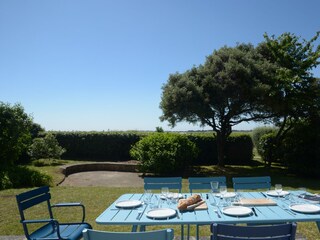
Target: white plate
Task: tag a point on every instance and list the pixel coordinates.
(305, 208)
(161, 213)
(273, 193)
(227, 195)
(174, 195)
(237, 211)
(128, 204)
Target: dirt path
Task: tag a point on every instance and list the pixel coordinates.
(104, 178)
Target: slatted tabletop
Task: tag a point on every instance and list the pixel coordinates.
(278, 213)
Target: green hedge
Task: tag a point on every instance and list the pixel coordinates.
(97, 146)
(115, 146)
(238, 149)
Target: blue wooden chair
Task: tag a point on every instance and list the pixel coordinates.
(49, 228)
(203, 183)
(271, 232)
(251, 183)
(159, 182)
(166, 234)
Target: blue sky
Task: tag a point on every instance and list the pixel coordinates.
(100, 64)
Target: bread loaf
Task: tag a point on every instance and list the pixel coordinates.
(184, 203)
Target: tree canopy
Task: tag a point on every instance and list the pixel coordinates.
(271, 82)
(15, 135)
(223, 92)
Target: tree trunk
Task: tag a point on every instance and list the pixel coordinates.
(221, 142)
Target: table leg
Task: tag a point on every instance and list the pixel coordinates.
(182, 232)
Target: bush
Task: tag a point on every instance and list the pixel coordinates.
(257, 134)
(266, 147)
(15, 135)
(164, 153)
(23, 177)
(47, 147)
(301, 149)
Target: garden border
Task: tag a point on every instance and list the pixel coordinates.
(99, 166)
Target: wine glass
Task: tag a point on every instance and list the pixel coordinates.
(303, 192)
(278, 189)
(165, 192)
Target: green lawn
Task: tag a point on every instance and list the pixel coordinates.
(96, 199)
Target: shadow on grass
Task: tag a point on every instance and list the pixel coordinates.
(278, 174)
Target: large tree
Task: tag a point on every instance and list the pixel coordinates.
(223, 92)
(294, 92)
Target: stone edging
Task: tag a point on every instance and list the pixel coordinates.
(100, 166)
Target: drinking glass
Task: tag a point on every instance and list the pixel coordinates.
(147, 196)
(278, 189)
(214, 187)
(223, 190)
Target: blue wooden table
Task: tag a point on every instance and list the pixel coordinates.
(264, 214)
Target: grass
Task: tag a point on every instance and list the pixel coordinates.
(96, 199)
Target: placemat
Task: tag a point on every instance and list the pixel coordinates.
(257, 202)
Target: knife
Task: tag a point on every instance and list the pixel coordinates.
(263, 194)
(254, 211)
(143, 212)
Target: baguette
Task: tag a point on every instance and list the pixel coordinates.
(184, 203)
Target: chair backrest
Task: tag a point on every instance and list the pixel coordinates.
(243, 183)
(31, 198)
(166, 234)
(159, 182)
(202, 183)
(270, 232)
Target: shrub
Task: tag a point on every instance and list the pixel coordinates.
(258, 132)
(47, 147)
(22, 176)
(164, 153)
(260, 143)
(301, 149)
(266, 147)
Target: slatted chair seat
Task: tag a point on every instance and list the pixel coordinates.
(49, 228)
(271, 232)
(251, 183)
(166, 234)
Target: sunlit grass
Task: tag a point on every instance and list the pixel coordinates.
(96, 199)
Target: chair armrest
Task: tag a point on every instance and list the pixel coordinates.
(74, 204)
(67, 204)
(40, 221)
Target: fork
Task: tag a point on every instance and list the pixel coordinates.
(288, 210)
